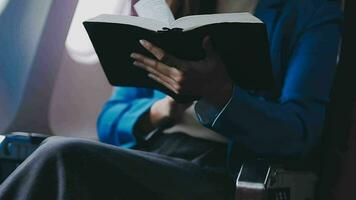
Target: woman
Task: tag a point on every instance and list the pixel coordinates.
(287, 120)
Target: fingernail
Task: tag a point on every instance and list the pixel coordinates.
(133, 55)
(151, 76)
(143, 42)
(137, 64)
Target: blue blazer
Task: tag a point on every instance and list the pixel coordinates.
(304, 39)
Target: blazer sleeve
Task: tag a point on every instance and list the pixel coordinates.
(119, 115)
(293, 123)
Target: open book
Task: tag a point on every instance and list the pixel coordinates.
(184, 24)
(239, 38)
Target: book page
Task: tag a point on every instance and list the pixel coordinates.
(194, 21)
(155, 9)
(145, 23)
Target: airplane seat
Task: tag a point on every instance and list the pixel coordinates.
(337, 178)
(343, 186)
(328, 174)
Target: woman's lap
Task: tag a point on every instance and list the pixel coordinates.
(67, 168)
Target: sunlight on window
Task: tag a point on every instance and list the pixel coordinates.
(78, 43)
(3, 4)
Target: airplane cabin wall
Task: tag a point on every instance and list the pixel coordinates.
(81, 87)
(21, 26)
(44, 87)
(32, 115)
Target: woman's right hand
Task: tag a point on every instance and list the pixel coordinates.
(167, 110)
(162, 113)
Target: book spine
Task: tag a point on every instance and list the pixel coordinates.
(171, 30)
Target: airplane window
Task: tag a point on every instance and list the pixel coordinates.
(78, 43)
(3, 4)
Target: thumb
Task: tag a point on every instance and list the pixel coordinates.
(208, 46)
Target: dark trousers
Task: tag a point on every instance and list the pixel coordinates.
(170, 167)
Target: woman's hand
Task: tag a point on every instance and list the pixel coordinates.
(174, 5)
(165, 112)
(206, 78)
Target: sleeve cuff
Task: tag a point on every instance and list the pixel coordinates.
(208, 114)
(127, 138)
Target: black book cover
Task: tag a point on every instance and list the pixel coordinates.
(243, 48)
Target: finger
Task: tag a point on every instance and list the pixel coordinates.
(172, 61)
(160, 54)
(156, 51)
(208, 46)
(162, 82)
(143, 59)
(157, 73)
(156, 65)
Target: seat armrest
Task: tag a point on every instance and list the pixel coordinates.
(252, 180)
(258, 180)
(15, 148)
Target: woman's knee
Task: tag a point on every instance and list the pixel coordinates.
(57, 145)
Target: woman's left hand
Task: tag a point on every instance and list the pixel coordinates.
(206, 78)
